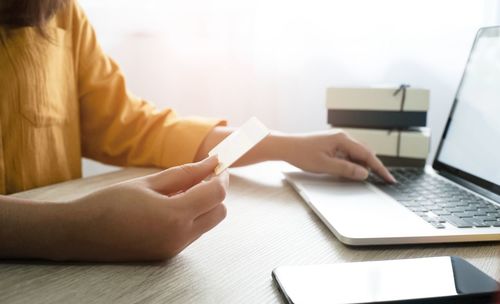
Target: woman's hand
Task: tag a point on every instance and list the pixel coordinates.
(330, 152)
(335, 153)
(150, 218)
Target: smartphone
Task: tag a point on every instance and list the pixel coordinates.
(422, 280)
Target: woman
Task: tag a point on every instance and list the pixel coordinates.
(62, 98)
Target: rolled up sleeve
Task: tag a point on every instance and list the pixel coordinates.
(120, 129)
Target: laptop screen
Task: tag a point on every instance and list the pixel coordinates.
(470, 146)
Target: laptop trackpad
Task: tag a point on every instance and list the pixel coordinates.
(356, 209)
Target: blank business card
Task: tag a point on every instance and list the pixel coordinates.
(238, 143)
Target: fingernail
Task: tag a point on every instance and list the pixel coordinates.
(360, 173)
(392, 178)
(212, 159)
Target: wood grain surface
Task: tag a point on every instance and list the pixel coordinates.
(267, 225)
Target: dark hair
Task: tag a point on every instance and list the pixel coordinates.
(35, 13)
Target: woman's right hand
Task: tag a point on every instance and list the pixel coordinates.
(150, 218)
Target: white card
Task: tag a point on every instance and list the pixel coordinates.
(238, 143)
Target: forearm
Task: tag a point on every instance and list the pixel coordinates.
(31, 229)
(276, 146)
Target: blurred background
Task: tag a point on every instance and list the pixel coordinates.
(274, 59)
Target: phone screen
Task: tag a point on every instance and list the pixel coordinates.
(384, 281)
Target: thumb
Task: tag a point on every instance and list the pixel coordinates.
(347, 169)
(183, 177)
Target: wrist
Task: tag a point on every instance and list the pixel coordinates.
(76, 221)
(53, 231)
(63, 228)
(280, 146)
(33, 229)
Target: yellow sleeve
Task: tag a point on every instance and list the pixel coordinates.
(118, 128)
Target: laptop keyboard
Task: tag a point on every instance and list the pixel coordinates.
(439, 202)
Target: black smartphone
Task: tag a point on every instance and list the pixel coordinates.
(422, 280)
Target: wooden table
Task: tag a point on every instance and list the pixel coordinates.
(267, 225)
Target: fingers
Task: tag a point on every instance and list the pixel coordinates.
(183, 177)
(347, 169)
(210, 219)
(359, 153)
(205, 196)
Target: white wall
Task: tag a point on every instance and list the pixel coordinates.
(275, 58)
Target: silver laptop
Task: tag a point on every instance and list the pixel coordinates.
(455, 200)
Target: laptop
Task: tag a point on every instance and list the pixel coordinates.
(455, 200)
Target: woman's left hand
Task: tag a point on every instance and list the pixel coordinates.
(332, 152)
(335, 153)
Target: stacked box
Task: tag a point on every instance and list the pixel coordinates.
(389, 120)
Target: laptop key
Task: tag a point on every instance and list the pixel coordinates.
(437, 225)
(426, 203)
(476, 222)
(418, 209)
(466, 214)
(485, 218)
(457, 222)
(435, 218)
(440, 212)
(456, 209)
(487, 210)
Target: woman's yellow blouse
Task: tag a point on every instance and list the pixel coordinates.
(62, 98)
